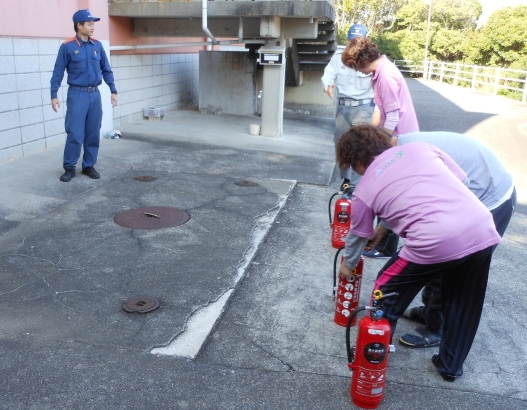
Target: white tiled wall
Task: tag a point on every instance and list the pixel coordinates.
(27, 121)
(169, 80)
(29, 124)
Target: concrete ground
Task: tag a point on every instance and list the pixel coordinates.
(245, 316)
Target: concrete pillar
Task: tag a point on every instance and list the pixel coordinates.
(273, 78)
(273, 100)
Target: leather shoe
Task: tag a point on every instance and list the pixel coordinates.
(446, 377)
(90, 171)
(70, 173)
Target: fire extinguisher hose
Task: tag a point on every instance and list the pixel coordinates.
(335, 271)
(329, 206)
(348, 328)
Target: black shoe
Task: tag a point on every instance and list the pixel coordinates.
(90, 171)
(446, 377)
(70, 173)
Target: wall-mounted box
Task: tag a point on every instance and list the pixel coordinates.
(272, 55)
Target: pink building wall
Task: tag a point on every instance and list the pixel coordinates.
(121, 35)
(50, 18)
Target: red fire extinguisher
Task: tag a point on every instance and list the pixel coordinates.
(340, 225)
(347, 294)
(368, 359)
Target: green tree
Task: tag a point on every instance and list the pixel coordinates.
(402, 45)
(377, 15)
(452, 23)
(505, 36)
(413, 15)
(448, 45)
(456, 14)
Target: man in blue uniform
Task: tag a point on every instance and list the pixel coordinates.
(84, 59)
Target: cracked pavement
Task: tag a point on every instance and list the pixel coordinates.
(66, 268)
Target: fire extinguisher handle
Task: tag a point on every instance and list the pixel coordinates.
(348, 328)
(329, 206)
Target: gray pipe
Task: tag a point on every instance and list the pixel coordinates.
(204, 22)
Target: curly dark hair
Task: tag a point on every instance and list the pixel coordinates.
(359, 53)
(360, 145)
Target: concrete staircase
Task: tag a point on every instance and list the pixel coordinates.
(311, 55)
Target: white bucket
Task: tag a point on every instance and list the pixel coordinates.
(254, 129)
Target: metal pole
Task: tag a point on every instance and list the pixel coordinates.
(427, 36)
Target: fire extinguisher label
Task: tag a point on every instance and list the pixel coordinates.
(343, 217)
(375, 352)
(370, 383)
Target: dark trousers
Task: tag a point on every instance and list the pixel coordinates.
(388, 244)
(345, 118)
(83, 126)
(431, 296)
(463, 286)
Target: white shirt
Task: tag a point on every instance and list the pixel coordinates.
(350, 83)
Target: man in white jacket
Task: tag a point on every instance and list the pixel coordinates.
(354, 96)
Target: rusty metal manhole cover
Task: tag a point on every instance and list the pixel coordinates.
(140, 304)
(246, 183)
(151, 217)
(145, 178)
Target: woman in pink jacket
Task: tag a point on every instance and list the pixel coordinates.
(392, 96)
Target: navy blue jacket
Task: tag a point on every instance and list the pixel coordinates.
(85, 62)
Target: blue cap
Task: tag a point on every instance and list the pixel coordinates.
(357, 30)
(83, 15)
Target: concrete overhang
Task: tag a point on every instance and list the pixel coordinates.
(321, 10)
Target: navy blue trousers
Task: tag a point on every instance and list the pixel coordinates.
(431, 295)
(83, 127)
(463, 286)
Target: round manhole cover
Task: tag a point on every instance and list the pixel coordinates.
(246, 183)
(145, 178)
(152, 217)
(140, 304)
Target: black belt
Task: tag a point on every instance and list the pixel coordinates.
(88, 89)
(351, 102)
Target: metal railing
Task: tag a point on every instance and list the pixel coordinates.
(495, 80)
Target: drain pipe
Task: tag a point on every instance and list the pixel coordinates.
(204, 22)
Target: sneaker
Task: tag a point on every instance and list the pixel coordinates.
(375, 254)
(70, 173)
(90, 171)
